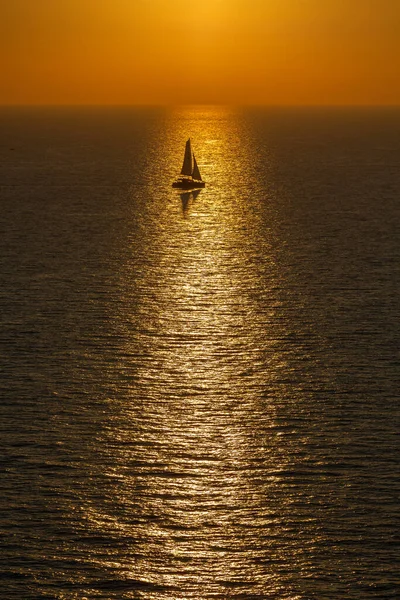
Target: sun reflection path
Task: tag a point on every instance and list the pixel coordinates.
(194, 438)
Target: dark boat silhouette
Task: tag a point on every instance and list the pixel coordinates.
(190, 177)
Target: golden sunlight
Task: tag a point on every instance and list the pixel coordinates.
(214, 51)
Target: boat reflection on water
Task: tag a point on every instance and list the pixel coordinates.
(185, 198)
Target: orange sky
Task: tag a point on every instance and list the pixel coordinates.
(210, 51)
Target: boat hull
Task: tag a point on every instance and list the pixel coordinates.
(188, 183)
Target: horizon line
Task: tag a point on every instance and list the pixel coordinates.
(191, 104)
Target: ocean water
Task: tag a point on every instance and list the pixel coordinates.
(199, 392)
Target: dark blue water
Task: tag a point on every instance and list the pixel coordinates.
(199, 393)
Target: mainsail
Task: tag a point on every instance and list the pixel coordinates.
(187, 161)
(196, 172)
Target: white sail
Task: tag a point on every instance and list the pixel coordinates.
(196, 172)
(187, 161)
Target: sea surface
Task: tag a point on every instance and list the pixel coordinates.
(199, 393)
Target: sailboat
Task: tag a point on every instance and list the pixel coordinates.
(190, 177)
